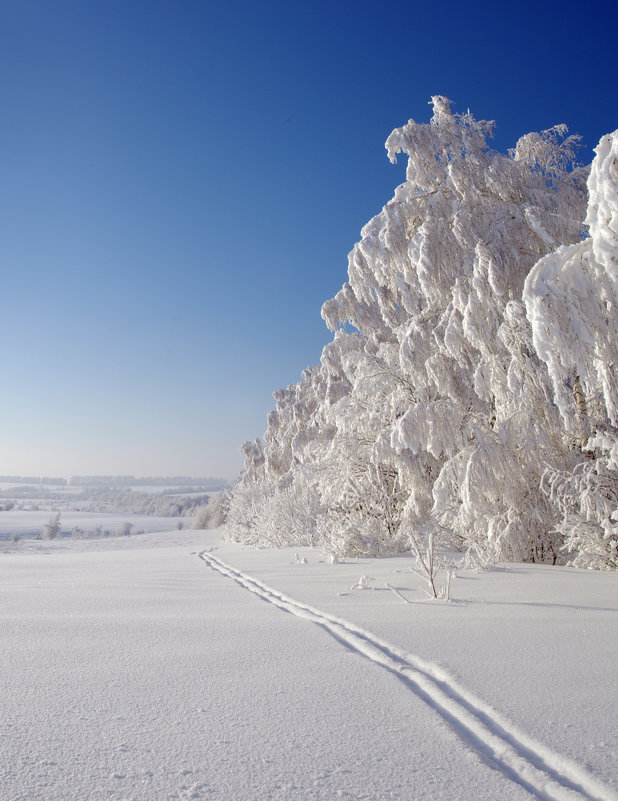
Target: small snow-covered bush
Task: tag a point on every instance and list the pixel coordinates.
(267, 515)
(212, 514)
(52, 528)
(246, 509)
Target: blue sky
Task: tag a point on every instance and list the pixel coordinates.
(182, 182)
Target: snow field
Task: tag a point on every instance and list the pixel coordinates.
(134, 669)
(544, 773)
(538, 643)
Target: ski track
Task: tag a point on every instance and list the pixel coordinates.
(545, 774)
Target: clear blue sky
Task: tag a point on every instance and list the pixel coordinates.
(182, 182)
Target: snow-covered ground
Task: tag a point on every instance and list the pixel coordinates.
(170, 666)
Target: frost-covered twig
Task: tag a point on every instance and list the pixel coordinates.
(396, 591)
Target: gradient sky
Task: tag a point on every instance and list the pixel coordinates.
(182, 182)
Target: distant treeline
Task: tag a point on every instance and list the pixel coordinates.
(208, 484)
(108, 500)
(61, 482)
(211, 484)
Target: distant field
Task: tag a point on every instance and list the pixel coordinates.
(30, 524)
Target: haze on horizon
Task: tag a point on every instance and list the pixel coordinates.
(182, 185)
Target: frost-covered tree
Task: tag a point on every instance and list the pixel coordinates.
(212, 514)
(572, 300)
(432, 411)
(52, 528)
(429, 286)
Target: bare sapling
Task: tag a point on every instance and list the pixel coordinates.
(428, 566)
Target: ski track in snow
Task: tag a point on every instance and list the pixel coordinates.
(545, 774)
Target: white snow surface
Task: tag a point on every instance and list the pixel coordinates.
(171, 666)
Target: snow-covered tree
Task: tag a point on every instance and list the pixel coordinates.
(428, 290)
(572, 300)
(52, 528)
(438, 408)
